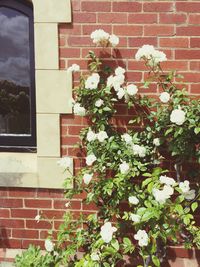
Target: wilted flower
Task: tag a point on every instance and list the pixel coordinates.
(177, 116)
(49, 245)
(73, 68)
(64, 162)
(101, 136)
(131, 89)
(78, 110)
(107, 232)
(91, 136)
(142, 238)
(99, 103)
(133, 200)
(90, 159)
(164, 97)
(87, 177)
(124, 167)
(92, 81)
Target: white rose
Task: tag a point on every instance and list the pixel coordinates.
(99, 35)
(124, 167)
(127, 138)
(120, 93)
(101, 136)
(65, 162)
(158, 56)
(177, 116)
(132, 89)
(156, 142)
(107, 232)
(78, 110)
(74, 68)
(135, 218)
(142, 238)
(91, 136)
(162, 195)
(49, 245)
(87, 177)
(184, 186)
(119, 71)
(95, 256)
(139, 150)
(145, 51)
(92, 81)
(189, 195)
(164, 97)
(99, 103)
(114, 40)
(167, 180)
(133, 200)
(90, 159)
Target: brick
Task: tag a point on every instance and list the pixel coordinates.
(136, 65)
(19, 192)
(195, 65)
(53, 214)
(4, 213)
(6, 223)
(10, 243)
(23, 213)
(38, 203)
(70, 52)
(123, 53)
(3, 192)
(78, 41)
(11, 203)
(127, 7)
(158, 7)
(188, 6)
(23, 233)
(191, 77)
(50, 193)
(134, 76)
(74, 205)
(194, 19)
(128, 30)
(194, 42)
(157, 30)
(187, 54)
(112, 18)
(69, 29)
(76, 5)
(84, 17)
(174, 42)
(74, 130)
(195, 89)
(105, 53)
(83, 63)
(5, 233)
(68, 140)
(88, 29)
(142, 18)
(173, 18)
(96, 6)
(33, 224)
(140, 41)
(62, 64)
(175, 65)
(71, 118)
(62, 41)
(188, 31)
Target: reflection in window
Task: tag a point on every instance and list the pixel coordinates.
(17, 97)
(14, 72)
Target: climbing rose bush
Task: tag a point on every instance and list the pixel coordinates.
(142, 207)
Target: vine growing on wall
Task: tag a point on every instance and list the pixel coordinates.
(141, 207)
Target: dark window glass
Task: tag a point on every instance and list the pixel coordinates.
(17, 97)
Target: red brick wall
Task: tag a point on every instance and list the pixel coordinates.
(171, 26)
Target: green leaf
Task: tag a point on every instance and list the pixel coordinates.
(168, 131)
(146, 182)
(194, 206)
(197, 130)
(115, 244)
(156, 261)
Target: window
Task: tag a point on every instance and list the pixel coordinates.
(17, 88)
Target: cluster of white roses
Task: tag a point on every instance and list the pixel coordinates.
(137, 149)
(100, 37)
(100, 136)
(116, 81)
(151, 54)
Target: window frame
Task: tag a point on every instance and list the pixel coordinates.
(23, 143)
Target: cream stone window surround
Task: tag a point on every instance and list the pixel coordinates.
(53, 91)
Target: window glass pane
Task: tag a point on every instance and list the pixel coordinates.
(14, 73)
